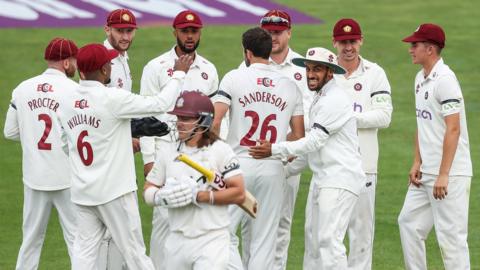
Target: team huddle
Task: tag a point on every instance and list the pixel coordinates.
(223, 158)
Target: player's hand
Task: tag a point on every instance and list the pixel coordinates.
(415, 175)
(136, 145)
(147, 168)
(194, 188)
(263, 149)
(174, 194)
(183, 63)
(440, 187)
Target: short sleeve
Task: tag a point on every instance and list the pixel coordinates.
(226, 160)
(298, 102)
(224, 94)
(449, 95)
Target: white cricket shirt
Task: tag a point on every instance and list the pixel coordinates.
(296, 74)
(261, 103)
(202, 76)
(437, 96)
(370, 92)
(32, 118)
(331, 146)
(121, 77)
(97, 127)
(192, 220)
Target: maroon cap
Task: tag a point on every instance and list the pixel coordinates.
(93, 56)
(60, 49)
(187, 18)
(276, 20)
(346, 29)
(428, 32)
(121, 18)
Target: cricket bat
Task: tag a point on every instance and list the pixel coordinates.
(250, 203)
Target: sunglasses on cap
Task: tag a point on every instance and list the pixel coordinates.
(273, 19)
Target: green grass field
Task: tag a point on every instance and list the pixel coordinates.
(384, 24)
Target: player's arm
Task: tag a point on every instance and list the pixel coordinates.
(220, 111)
(380, 114)
(327, 122)
(450, 143)
(129, 105)
(297, 125)
(149, 84)
(449, 96)
(154, 180)
(221, 102)
(233, 194)
(11, 129)
(415, 175)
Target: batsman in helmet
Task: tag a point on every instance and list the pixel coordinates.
(197, 210)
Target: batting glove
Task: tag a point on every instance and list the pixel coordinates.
(173, 194)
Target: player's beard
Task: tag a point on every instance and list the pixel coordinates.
(321, 83)
(281, 48)
(107, 81)
(116, 44)
(70, 72)
(187, 50)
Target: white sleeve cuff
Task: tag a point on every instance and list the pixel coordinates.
(149, 195)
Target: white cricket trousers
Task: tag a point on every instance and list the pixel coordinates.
(37, 206)
(109, 257)
(361, 228)
(285, 224)
(121, 217)
(206, 252)
(328, 212)
(265, 179)
(159, 236)
(449, 217)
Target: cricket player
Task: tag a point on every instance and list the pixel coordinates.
(263, 104)
(198, 214)
(120, 30)
(442, 169)
(278, 24)
(96, 123)
(202, 77)
(331, 150)
(46, 174)
(367, 85)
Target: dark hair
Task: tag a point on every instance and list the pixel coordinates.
(258, 41)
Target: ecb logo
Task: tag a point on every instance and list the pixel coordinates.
(44, 87)
(81, 104)
(267, 82)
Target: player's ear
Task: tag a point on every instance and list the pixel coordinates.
(66, 63)
(330, 73)
(174, 32)
(107, 30)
